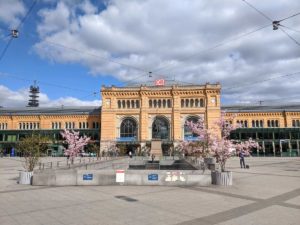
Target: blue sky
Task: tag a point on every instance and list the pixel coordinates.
(72, 47)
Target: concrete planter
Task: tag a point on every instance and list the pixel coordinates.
(221, 178)
(25, 177)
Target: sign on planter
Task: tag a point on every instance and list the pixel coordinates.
(88, 176)
(120, 176)
(153, 176)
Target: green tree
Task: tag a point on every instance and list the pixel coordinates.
(32, 146)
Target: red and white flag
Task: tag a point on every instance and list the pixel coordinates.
(160, 82)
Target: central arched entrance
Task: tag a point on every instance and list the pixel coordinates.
(161, 128)
(128, 136)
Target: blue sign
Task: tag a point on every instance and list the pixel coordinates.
(88, 176)
(153, 176)
(12, 153)
(126, 139)
(191, 138)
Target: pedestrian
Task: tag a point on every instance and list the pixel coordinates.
(152, 157)
(130, 154)
(242, 159)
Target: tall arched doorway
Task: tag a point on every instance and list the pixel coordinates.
(128, 136)
(161, 128)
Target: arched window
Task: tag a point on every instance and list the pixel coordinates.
(119, 104)
(269, 123)
(150, 103)
(298, 123)
(159, 103)
(123, 104)
(257, 123)
(137, 103)
(276, 123)
(253, 123)
(169, 103)
(160, 128)
(188, 134)
(128, 104)
(261, 123)
(187, 102)
(294, 123)
(192, 102)
(201, 103)
(154, 103)
(128, 128)
(272, 123)
(182, 103)
(164, 103)
(132, 104)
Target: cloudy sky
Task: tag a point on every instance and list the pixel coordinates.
(72, 48)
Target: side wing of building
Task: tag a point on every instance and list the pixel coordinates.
(276, 128)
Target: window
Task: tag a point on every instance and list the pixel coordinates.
(128, 128)
(201, 103)
(187, 131)
(169, 103)
(160, 128)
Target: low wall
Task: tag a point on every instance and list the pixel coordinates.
(121, 177)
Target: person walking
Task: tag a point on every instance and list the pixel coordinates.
(130, 154)
(242, 159)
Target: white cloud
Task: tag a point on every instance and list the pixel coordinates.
(153, 34)
(19, 98)
(11, 11)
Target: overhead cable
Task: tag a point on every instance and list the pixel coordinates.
(17, 30)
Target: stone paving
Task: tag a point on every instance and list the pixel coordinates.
(267, 193)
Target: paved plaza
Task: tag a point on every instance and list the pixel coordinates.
(267, 193)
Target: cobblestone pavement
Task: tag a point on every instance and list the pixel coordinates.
(267, 193)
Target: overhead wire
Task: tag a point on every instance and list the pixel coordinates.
(296, 14)
(42, 82)
(94, 55)
(17, 28)
(216, 46)
(277, 22)
(261, 81)
(257, 10)
(298, 31)
(290, 37)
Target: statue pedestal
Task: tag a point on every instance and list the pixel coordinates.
(156, 149)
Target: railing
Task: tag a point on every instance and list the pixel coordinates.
(78, 162)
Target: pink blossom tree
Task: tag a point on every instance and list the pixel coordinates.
(246, 146)
(217, 140)
(75, 143)
(201, 145)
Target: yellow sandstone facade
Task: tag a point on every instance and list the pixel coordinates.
(133, 116)
(144, 105)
